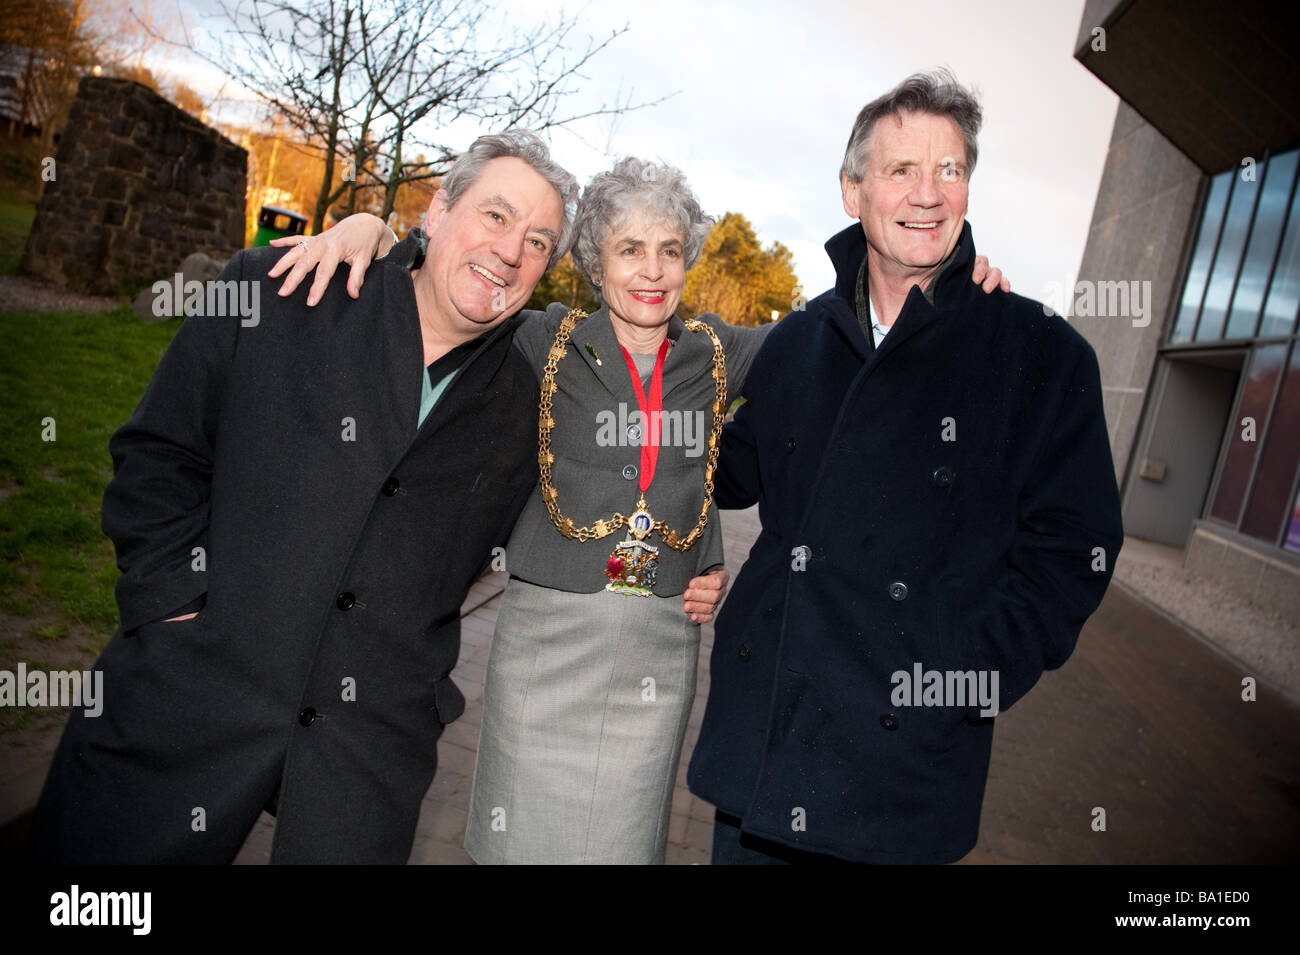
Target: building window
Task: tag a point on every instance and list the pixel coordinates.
(1265, 239)
(1242, 290)
(1284, 292)
(1199, 271)
(1244, 276)
(1245, 429)
(1292, 542)
(1269, 504)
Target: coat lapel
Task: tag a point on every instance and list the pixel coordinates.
(607, 362)
(466, 390)
(919, 311)
(687, 359)
(692, 351)
(917, 314)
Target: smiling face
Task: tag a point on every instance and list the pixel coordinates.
(642, 273)
(913, 194)
(487, 251)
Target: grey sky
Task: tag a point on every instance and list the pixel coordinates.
(768, 92)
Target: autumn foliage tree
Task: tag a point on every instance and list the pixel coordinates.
(51, 47)
(564, 284)
(737, 278)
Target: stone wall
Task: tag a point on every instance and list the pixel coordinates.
(138, 185)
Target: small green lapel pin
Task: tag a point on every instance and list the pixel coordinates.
(592, 352)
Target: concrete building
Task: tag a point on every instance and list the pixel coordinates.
(1189, 287)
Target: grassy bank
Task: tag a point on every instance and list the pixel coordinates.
(86, 372)
(16, 218)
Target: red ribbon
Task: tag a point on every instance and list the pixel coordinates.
(651, 412)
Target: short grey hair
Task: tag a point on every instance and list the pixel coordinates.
(516, 144)
(938, 94)
(637, 184)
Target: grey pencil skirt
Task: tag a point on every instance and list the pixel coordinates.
(584, 711)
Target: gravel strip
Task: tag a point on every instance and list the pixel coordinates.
(21, 292)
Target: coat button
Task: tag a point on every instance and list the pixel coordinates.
(307, 716)
(944, 477)
(789, 446)
(390, 486)
(345, 600)
(898, 590)
(634, 432)
(889, 721)
(629, 472)
(743, 653)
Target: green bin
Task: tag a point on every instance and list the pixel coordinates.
(274, 222)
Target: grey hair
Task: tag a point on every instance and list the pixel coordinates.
(637, 184)
(517, 144)
(938, 94)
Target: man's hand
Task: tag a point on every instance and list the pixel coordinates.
(358, 240)
(986, 278)
(704, 593)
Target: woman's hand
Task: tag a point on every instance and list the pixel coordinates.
(985, 277)
(358, 240)
(704, 593)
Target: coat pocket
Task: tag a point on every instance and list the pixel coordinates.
(953, 641)
(163, 629)
(448, 701)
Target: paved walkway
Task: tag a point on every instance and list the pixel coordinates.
(1252, 633)
(1144, 721)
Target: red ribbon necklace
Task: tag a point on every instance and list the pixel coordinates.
(651, 414)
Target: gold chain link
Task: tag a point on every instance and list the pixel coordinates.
(545, 424)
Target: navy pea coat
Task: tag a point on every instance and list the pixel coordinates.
(947, 499)
(276, 471)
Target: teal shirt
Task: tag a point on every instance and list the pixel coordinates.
(430, 393)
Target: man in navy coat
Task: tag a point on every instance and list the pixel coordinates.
(939, 515)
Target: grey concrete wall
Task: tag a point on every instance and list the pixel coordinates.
(1271, 583)
(1141, 225)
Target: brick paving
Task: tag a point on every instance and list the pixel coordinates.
(1144, 721)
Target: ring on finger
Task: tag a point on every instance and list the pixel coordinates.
(304, 244)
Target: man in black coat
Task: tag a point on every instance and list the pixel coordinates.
(939, 515)
(299, 505)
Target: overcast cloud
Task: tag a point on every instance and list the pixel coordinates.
(768, 92)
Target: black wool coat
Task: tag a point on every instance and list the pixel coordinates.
(954, 498)
(338, 542)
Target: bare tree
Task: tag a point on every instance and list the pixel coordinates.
(299, 59)
(373, 80)
(427, 83)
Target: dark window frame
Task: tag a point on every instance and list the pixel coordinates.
(1190, 253)
(1172, 350)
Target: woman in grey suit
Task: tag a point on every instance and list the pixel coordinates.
(592, 672)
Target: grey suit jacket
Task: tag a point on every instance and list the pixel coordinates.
(598, 451)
